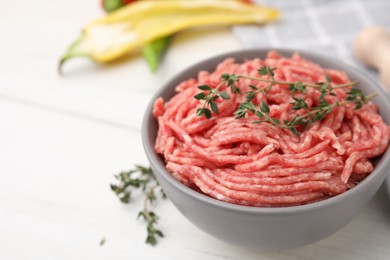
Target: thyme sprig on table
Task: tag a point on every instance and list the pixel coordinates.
(262, 111)
(141, 178)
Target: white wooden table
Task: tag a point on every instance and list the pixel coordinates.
(63, 138)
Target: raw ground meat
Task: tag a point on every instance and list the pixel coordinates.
(236, 161)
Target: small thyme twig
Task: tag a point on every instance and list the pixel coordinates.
(150, 217)
(229, 80)
(141, 178)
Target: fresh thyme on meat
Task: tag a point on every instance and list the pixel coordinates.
(318, 113)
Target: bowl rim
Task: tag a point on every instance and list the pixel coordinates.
(157, 164)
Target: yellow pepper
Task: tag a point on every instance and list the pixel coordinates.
(137, 24)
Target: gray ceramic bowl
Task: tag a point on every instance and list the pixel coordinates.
(267, 228)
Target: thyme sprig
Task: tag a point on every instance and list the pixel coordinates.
(214, 93)
(314, 114)
(262, 111)
(141, 178)
(150, 217)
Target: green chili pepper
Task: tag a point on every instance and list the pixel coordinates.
(112, 5)
(153, 51)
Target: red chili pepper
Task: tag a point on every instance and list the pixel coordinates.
(247, 1)
(126, 2)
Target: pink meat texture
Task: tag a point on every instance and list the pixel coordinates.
(237, 161)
